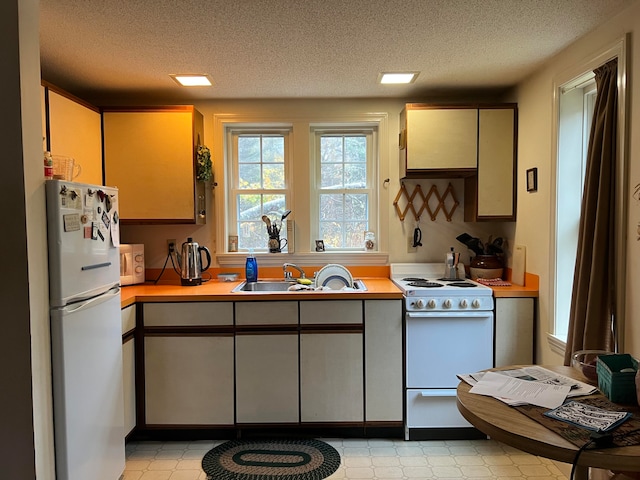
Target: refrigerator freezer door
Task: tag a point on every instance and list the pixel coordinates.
(87, 386)
(83, 237)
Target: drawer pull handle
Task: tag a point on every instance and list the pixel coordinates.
(438, 393)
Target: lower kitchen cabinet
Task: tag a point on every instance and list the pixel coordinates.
(514, 332)
(128, 367)
(331, 377)
(331, 361)
(189, 380)
(188, 363)
(267, 378)
(383, 360)
(267, 362)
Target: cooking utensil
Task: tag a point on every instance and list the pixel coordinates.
(267, 222)
(417, 237)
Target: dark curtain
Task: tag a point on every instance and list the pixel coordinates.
(593, 297)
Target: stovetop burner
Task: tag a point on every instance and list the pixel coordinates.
(463, 284)
(424, 284)
(414, 279)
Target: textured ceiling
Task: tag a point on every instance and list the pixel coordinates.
(122, 49)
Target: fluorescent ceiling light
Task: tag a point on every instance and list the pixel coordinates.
(397, 77)
(192, 79)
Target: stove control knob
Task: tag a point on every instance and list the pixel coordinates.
(464, 303)
(475, 303)
(446, 303)
(431, 303)
(419, 304)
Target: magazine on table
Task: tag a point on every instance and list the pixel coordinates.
(588, 416)
(544, 396)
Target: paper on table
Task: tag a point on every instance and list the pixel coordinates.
(503, 387)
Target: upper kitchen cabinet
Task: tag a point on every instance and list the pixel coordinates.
(477, 142)
(437, 141)
(491, 194)
(149, 154)
(73, 129)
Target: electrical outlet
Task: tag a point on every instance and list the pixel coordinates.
(410, 247)
(171, 245)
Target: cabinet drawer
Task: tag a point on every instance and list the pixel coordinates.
(266, 313)
(186, 313)
(330, 312)
(433, 408)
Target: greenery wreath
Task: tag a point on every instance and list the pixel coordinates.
(204, 171)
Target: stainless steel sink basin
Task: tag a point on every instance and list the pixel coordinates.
(283, 286)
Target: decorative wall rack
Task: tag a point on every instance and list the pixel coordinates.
(417, 202)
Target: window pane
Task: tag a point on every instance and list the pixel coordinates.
(331, 149)
(273, 149)
(248, 149)
(249, 176)
(356, 207)
(355, 149)
(273, 176)
(331, 233)
(252, 231)
(355, 175)
(331, 207)
(354, 234)
(331, 176)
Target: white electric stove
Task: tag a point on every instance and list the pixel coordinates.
(448, 330)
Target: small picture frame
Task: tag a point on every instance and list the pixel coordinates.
(319, 245)
(532, 179)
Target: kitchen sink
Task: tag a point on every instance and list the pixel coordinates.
(283, 286)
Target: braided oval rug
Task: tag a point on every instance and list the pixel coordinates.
(274, 459)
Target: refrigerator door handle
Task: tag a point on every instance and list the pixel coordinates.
(109, 294)
(96, 265)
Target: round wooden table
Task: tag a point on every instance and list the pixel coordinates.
(506, 424)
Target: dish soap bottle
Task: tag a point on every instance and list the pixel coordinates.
(251, 268)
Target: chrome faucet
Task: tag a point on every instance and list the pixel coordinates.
(287, 273)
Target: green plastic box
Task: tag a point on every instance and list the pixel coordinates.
(619, 387)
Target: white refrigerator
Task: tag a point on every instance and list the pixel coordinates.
(86, 332)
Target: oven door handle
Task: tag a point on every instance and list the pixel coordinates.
(456, 314)
(438, 392)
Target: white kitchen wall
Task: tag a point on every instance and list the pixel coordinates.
(534, 98)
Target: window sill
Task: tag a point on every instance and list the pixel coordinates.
(557, 343)
(306, 259)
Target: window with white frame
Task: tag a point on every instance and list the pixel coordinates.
(343, 196)
(576, 106)
(259, 183)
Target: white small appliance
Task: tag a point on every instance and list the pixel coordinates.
(86, 330)
(448, 331)
(132, 264)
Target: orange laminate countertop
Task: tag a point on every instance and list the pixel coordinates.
(529, 289)
(216, 290)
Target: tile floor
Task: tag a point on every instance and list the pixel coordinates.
(374, 459)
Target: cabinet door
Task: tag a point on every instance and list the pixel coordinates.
(189, 380)
(75, 131)
(383, 360)
(129, 384)
(267, 378)
(496, 163)
(514, 331)
(441, 138)
(331, 377)
(149, 155)
(128, 368)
